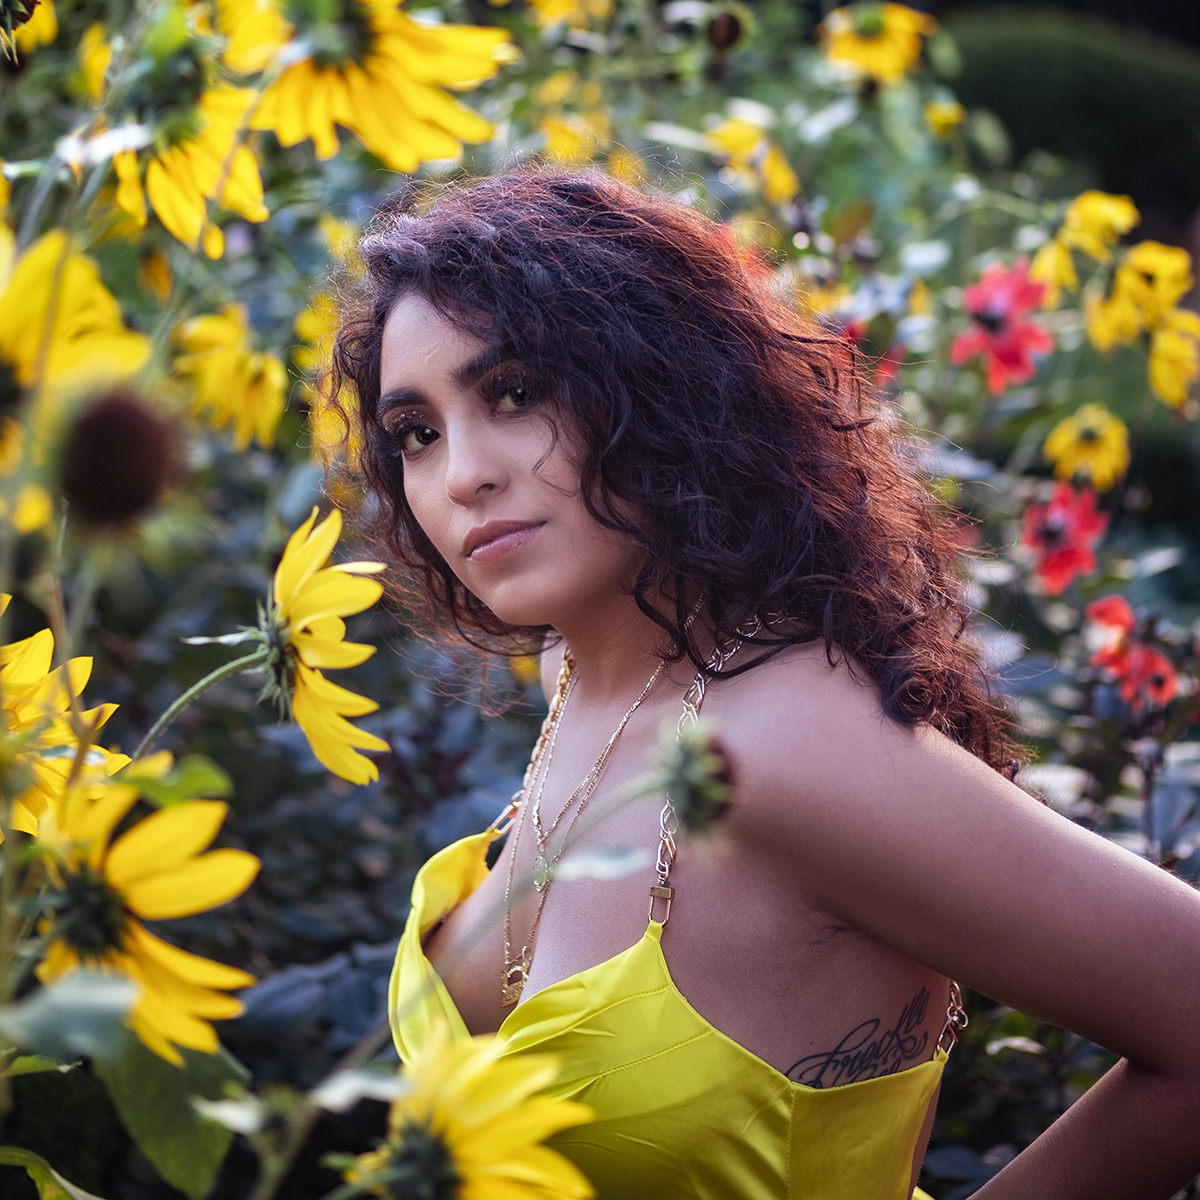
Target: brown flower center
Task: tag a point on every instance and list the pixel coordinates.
(88, 913)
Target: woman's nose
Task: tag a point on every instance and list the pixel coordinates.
(473, 464)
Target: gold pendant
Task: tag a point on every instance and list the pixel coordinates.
(512, 981)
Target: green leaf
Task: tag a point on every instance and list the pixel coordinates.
(49, 1183)
(154, 1098)
(192, 776)
(36, 1064)
(82, 1014)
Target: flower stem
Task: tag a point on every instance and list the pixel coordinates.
(302, 1122)
(249, 662)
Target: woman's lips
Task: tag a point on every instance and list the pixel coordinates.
(505, 542)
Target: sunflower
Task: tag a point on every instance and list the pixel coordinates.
(1093, 443)
(1146, 288)
(39, 27)
(880, 40)
(98, 888)
(86, 341)
(210, 165)
(1175, 356)
(303, 626)
(471, 1126)
(36, 701)
(1148, 284)
(235, 383)
(369, 68)
(751, 151)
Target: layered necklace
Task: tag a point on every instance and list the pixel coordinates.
(516, 966)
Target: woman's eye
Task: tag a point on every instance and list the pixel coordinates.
(413, 437)
(512, 397)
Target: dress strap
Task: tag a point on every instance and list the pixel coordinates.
(668, 823)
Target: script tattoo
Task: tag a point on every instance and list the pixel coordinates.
(866, 1052)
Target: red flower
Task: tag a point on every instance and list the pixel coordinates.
(1111, 611)
(1143, 673)
(1065, 532)
(997, 304)
(1146, 675)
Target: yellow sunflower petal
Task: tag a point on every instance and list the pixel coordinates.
(533, 1167)
(201, 972)
(164, 1022)
(142, 1023)
(202, 1002)
(340, 700)
(329, 654)
(179, 207)
(243, 190)
(212, 879)
(164, 841)
(129, 194)
(27, 659)
(331, 593)
(534, 1120)
(305, 552)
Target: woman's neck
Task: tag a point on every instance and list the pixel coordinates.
(615, 646)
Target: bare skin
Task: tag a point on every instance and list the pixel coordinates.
(862, 864)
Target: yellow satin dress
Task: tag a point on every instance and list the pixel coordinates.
(682, 1111)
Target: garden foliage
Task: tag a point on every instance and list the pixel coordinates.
(216, 792)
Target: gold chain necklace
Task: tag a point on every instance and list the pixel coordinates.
(516, 968)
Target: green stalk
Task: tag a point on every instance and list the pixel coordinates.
(249, 662)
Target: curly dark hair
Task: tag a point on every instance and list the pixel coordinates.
(729, 438)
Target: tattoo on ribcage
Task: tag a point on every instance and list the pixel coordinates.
(868, 1050)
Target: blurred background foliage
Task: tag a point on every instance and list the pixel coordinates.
(875, 213)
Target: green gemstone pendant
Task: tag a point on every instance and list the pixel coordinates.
(543, 872)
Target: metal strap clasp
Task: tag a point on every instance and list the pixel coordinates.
(956, 1020)
(659, 892)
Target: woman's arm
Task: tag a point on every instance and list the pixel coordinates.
(910, 838)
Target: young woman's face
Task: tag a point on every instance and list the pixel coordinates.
(485, 478)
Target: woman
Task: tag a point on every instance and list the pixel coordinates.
(589, 426)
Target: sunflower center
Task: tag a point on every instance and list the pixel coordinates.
(422, 1166)
(1089, 434)
(339, 31)
(89, 914)
(869, 21)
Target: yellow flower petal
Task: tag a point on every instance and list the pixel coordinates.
(164, 841)
(329, 695)
(180, 208)
(331, 593)
(191, 968)
(206, 882)
(129, 193)
(305, 553)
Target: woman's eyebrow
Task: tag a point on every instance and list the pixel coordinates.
(469, 373)
(398, 396)
(464, 377)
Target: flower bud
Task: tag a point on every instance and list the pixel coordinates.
(696, 774)
(119, 459)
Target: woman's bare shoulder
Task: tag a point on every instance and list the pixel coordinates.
(902, 833)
